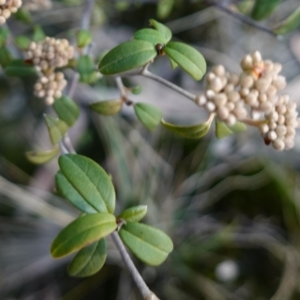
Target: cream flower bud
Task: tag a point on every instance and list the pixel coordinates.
(278, 144)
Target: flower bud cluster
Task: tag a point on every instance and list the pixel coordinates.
(7, 7)
(50, 53)
(253, 97)
(50, 87)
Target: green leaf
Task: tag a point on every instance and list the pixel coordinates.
(164, 30)
(149, 244)
(127, 56)
(19, 68)
(88, 260)
(173, 63)
(190, 132)
(108, 107)
(41, 157)
(66, 109)
(148, 114)
(164, 8)
(134, 214)
(38, 34)
(82, 232)
(83, 37)
(86, 69)
(291, 23)
(23, 15)
(22, 42)
(264, 8)
(150, 35)
(4, 35)
(136, 90)
(5, 57)
(85, 184)
(222, 130)
(238, 127)
(56, 127)
(188, 58)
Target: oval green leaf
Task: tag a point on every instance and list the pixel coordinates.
(264, 8)
(164, 30)
(89, 187)
(188, 58)
(291, 23)
(86, 69)
(88, 260)
(83, 37)
(19, 68)
(222, 130)
(148, 114)
(38, 34)
(134, 214)
(22, 42)
(66, 109)
(136, 90)
(41, 157)
(23, 15)
(149, 244)
(56, 127)
(189, 132)
(150, 35)
(127, 56)
(82, 232)
(109, 107)
(164, 8)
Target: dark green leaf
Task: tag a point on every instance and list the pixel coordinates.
(164, 8)
(41, 157)
(5, 57)
(82, 232)
(38, 34)
(148, 114)
(190, 132)
(84, 37)
(66, 109)
(188, 58)
(264, 8)
(19, 68)
(22, 41)
(164, 30)
(88, 260)
(23, 15)
(149, 244)
(85, 184)
(4, 34)
(56, 127)
(150, 35)
(291, 23)
(134, 214)
(109, 107)
(127, 56)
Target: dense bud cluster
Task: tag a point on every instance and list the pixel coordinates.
(46, 56)
(50, 53)
(7, 7)
(252, 97)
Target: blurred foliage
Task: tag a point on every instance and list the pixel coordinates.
(219, 200)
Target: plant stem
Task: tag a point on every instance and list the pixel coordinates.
(139, 281)
(167, 83)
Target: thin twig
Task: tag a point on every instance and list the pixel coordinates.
(241, 17)
(139, 281)
(87, 13)
(167, 83)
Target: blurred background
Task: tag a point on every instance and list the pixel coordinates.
(231, 206)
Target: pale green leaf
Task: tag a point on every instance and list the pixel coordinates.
(148, 114)
(56, 127)
(149, 244)
(108, 107)
(188, 58)
(134, 214)
(164, 8)
(89, 187)
(127, 56)
(41, 157)
(82, 232)
(88, 260)
(83, 37)
(66, 109)
(291, 23)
